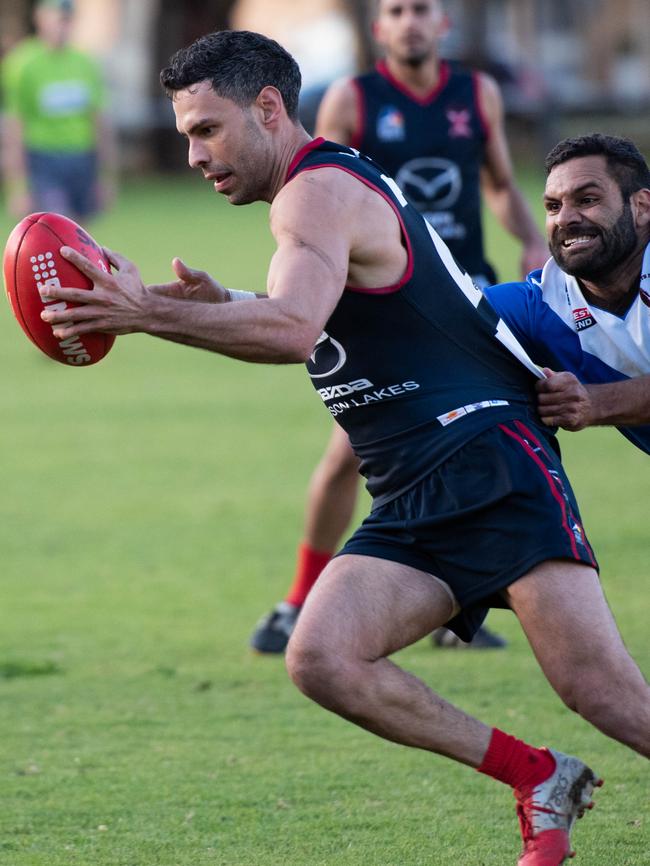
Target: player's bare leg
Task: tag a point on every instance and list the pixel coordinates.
(573, 634)
(331, 500)
(362, 610)
(332, 493)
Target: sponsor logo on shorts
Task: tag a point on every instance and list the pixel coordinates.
(455, 414)
(583, 318)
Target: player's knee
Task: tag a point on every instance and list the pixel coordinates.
(315, 669)
(601, 697)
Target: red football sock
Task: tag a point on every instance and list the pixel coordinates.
(309, 565)
(514, 762)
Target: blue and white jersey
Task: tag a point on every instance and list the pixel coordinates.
(559, 329)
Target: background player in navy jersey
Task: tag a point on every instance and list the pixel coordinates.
(441, 413)
(438, 129)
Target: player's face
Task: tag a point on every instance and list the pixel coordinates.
(225, 142)
(53, 25)
(590, 228)
(409, 30)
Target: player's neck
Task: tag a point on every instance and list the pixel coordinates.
(615, 293)
(420, 79)
(297, 139)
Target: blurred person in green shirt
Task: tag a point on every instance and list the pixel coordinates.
(59, 150)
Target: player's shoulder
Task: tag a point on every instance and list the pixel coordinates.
(82, 58)
(342, 91)
(325, 177)
(337, 113)
(21, 54)
(488, 93)
(529, 289)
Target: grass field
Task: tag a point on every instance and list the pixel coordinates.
(149, 513)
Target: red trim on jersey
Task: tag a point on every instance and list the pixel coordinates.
(302, 153)
(444, 72)
(360, 124)
(482, 116)
(554, 491)
(382, 290)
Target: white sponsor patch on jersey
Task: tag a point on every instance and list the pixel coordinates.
(455, 414)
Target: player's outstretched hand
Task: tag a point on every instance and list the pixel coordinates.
(117, 304)
(562, 401)
(192, 285)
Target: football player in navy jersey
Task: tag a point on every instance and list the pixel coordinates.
(471, 505)
(438, 129)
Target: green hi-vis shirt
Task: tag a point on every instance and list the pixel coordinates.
(55, 93)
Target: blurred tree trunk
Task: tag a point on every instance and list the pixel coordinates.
(475, 27)
(359, 12)
(177, 25)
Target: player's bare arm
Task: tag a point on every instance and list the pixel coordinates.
(502, 195)
(307, 275)
(12, 157)
(564, 402)
(192, 285)
(338, 113)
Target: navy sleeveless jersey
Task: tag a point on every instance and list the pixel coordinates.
(415, 370)
(434, 147)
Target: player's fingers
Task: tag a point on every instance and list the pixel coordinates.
(550, 421)
(180, 269)
(66, 293)
(62, 332)
(86, 267)
(545, 387)
(184, 272)
(548, 398)
(119, 261)
(69, 314)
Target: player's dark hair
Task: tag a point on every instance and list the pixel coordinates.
(238, 64)
(624, 160)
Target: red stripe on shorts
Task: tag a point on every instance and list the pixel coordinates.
(556, 494)
(527, 433)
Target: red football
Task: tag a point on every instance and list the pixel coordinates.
(31, 261)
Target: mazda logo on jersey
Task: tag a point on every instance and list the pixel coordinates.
(327, 358)
(430, 182)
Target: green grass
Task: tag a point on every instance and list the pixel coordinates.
(149, 514)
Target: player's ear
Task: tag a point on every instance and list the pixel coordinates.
(444, 24)
(640, 201)
(271, 105)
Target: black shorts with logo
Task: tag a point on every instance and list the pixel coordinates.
(499, 506)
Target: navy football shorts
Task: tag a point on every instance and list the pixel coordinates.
(484, 518)
(64, 182)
